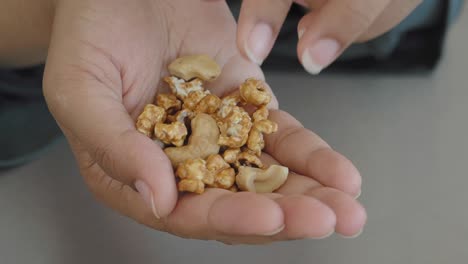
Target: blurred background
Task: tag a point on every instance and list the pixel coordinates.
(399, 113)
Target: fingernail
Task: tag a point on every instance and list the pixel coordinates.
(358, 194)
(300, 32)
(147, 195)
(274, 232)
(259, 43)
(326, 235)
(320, 55)
(355, 235)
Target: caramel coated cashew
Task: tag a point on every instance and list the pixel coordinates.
(195, 66)
(202, 143)
(261, 181)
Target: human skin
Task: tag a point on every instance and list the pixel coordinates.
(104, 62)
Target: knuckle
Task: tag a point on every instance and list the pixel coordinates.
(360, 16)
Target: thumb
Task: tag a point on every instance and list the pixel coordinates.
(85, 97)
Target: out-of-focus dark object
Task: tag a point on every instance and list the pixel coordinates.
(415, 45)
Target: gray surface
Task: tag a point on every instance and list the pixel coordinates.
(407, 135)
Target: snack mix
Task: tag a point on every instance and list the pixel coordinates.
(212, 142)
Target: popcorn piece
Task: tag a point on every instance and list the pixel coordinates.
(227, 104)
(169, 102)
(174, 133)
(182, 88)
(230, 155)
(262, 113)
(193, 98)
(224, 175)
(209, 104)
(194, 176)
(248, 159)
(149, 117)
(253, 91)
(234, 128)
(256, 141)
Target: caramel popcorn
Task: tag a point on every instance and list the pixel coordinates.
(174, 133)
(193, 98)
(209, 104)
(194, 175)
(235, 128)
(181, 88)
(224, 142)
(169, 102)
(253, 92)
(230, 155)
(149, 117)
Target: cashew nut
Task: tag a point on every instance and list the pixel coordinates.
(195, 66)
(202, 143)
(261, 181)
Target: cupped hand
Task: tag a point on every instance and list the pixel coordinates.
(324, 33)
(105, 63)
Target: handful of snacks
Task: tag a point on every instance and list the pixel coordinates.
(212, 142)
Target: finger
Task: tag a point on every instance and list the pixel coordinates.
(220, 213)
(329, 30)
(350, 215)
(395, 12)
(259, 24)
(311, 156)
(91, 108)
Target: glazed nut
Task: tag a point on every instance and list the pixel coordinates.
(151, 115)
(209, 104)
(181, 89)
(261, 181)
(195, 66)
(201, 144)
(253, 91)
(194, 176)
(169, 102)
(174, 133)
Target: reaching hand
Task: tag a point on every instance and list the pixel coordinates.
(325, 32)
(105, 63)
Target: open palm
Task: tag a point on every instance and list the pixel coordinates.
(105, 64)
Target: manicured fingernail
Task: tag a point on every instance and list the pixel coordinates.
(147, 195)
(355, 235)
(300, 32)
(320, 55)
(274, 232)
(259, 43)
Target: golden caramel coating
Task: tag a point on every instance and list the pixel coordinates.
(230, 155)
(149, 117)
(234, 128)
(169, 102)
(224, 179)
(174, 133)
(193, 98)
(248, 159)
(209, 104)
(262, 113)
(254, 92)
(194, 176)
(181, 88)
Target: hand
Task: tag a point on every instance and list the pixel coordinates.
(105, 62)
(324, 33)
